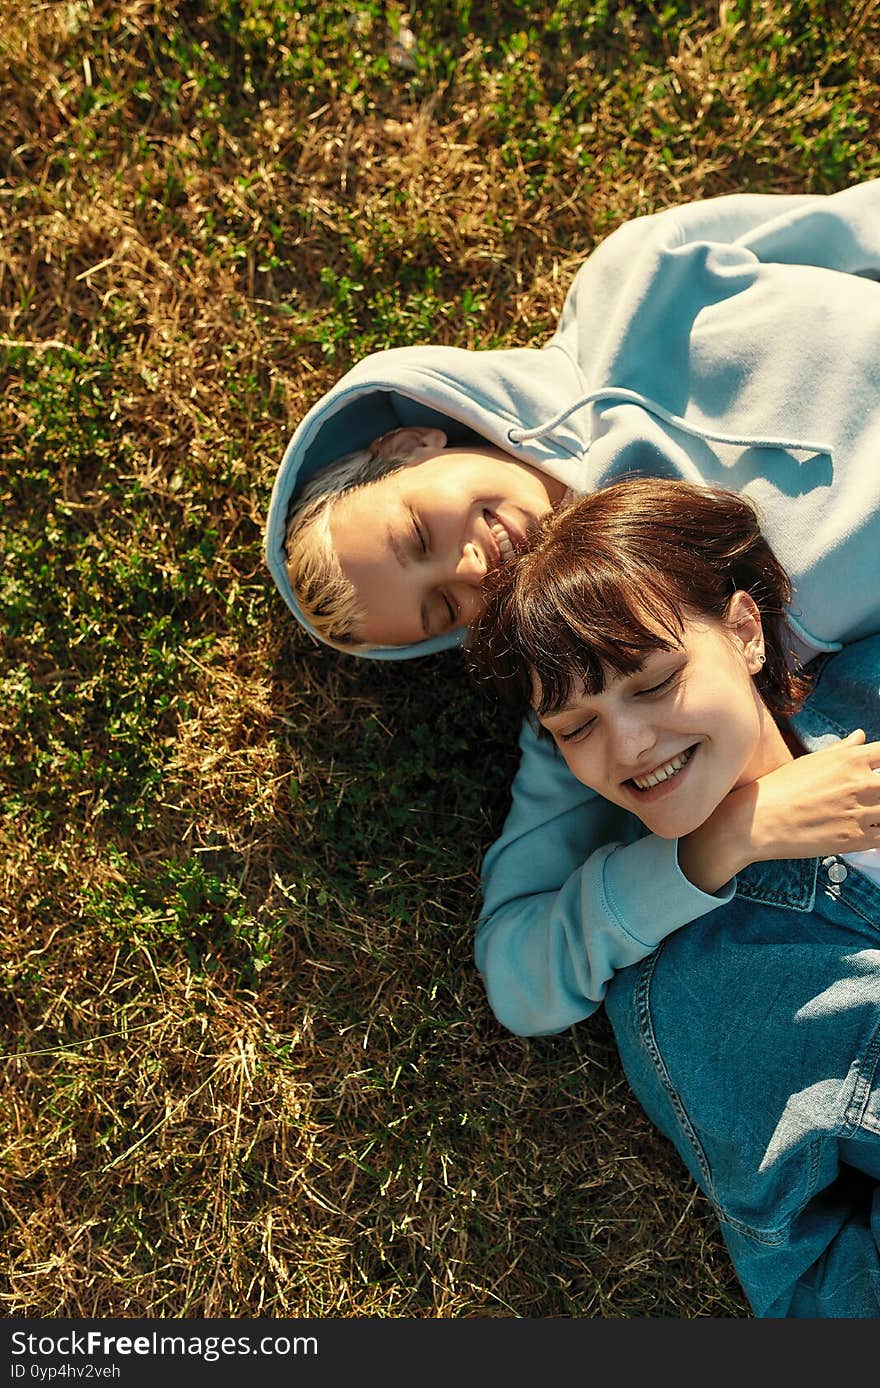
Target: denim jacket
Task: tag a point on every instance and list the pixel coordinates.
(752, 1039)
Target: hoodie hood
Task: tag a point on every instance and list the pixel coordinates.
(474, 396)
(718, 342)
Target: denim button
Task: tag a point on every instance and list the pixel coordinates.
(837, 873)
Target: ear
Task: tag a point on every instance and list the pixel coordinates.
(744, 621)
(404, 445)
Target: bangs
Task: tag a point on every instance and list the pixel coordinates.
(566, 630)
(569, 651)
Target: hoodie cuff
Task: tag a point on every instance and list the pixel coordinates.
(649, 894)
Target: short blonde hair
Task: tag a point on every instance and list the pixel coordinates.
(328, 600)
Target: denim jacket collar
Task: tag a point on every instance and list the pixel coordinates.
(791, 883)
(845, 695)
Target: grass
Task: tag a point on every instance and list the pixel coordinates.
(248, 1067)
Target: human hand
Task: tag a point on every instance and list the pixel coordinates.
(821, 803)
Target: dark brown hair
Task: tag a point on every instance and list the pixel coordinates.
(611, 578)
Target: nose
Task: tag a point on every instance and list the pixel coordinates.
(470, 571)
(630, 740)
(471, 567)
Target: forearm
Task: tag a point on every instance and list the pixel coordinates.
(724, 844)
(547, 956)
(573, 891)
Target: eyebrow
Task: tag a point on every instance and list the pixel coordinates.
(558, 710)
(545, 719)
(396, 545)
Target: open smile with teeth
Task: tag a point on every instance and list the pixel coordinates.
(665, 772)
(501, 536)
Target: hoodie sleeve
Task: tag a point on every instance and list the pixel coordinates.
(833, 231)
(621, 283)
(567, 901)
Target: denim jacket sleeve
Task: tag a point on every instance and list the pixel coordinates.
(573, 891)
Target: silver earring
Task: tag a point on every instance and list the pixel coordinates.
(761, 658)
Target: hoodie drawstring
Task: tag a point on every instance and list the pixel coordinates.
(632, 397)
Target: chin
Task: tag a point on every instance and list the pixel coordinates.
(664, 833)
(675, 827)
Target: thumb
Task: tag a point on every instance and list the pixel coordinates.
(856, 737)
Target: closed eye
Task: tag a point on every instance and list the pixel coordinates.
(419, 534)
(582, 730)
(664, 684)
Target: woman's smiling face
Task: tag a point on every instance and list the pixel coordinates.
(671, 740)
(417, 544)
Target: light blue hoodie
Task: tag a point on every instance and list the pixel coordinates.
(734, 341)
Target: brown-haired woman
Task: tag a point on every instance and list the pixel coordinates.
(645, 630)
